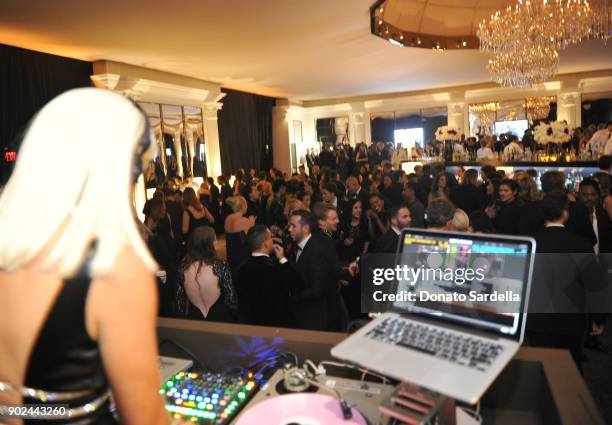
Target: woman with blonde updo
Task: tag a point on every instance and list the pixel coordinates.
(236, 228)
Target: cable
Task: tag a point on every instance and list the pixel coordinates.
(196, 362)
(315, 369)
(295, 357)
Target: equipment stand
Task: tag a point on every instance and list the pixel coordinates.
(413, 405)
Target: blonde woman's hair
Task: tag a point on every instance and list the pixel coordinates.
(461, 221)
(82, 146)
(527, 186)
(236, 203)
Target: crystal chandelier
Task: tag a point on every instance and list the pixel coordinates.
(602, 25)
(538, 108)
(524, 40)
(484, 107)
(531, 66)
(486, 112)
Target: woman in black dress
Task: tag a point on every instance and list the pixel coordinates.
(354, 241)
(236, 228)
(195, 213)
(207, 281)
(507, 209)
(354, 234)
(77, 286)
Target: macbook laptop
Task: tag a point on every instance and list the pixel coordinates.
(455, 347)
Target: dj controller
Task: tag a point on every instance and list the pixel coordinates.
(206, 397)
(241, 397)
(287, 395)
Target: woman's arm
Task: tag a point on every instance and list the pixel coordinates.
(185, 226)
(209, 216)
(121, 315)
(226, 284)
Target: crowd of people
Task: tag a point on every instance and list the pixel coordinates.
(294, 242)
(77, 279)
(586, 143)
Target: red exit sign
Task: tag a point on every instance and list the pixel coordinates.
(10, 156)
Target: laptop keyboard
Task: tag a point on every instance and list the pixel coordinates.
(454, 347)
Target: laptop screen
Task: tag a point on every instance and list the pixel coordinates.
(475, 280)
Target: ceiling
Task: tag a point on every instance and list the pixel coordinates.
(441, 17)
(303, 50)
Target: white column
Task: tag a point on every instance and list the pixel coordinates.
(211, 138)
(280, 138)
(569, 108)
(458, 117)
(357, 128)
(367, 128)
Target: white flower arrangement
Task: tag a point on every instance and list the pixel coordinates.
(553, 132)
(445, 133)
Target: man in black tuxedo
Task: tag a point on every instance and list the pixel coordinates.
(417, 210)
(355, 191)
(265, 286)
(327, 221)
(559, 282)
(329, 195)
(578, 221)
(399, 218)
(254, 207)
(225, 188)
(317, 270)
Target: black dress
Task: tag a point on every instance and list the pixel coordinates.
(358, 235)
(226, 307)
(66, 360)
(195, 222)
(506, 220)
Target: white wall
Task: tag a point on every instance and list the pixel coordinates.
(568, 91)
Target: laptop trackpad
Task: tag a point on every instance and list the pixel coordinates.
(396, 362)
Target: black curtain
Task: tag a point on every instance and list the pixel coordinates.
(245, 131)
(383, 129)
(596, 112)
(28, 80)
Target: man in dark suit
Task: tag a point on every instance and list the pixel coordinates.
(578, 221)
(355, 191)
(556, 309)
(226, 189)
(254, 207)
(590, 196)
(329, 195)
(417, 210)
(316, 269)
(265, 286)
(327, 220)
(327, 158)
(399, 218)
